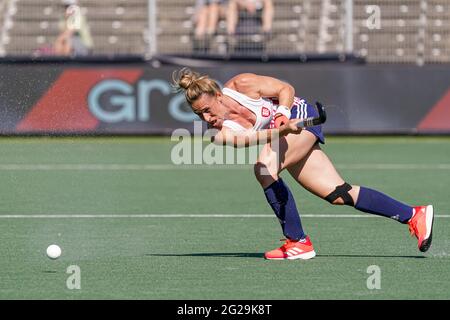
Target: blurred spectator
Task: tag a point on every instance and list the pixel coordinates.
(250, 17)
(206, 19)
(75, 38)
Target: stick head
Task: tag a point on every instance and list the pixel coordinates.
(322, 113)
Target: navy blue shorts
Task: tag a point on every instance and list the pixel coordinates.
(302, 110)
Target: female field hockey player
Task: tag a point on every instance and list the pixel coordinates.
(255, 108)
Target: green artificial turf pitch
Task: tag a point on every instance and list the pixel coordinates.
(140, 228)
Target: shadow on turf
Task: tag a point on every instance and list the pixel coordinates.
(261, 255)
(366, 256)
(221, 254)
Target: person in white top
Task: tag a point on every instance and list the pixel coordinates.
(253, 109)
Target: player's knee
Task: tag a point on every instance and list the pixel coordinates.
(341, 195)
(263, 172)
(338, 202)
(260, 169)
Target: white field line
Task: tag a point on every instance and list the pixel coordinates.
(392, 166)
(157, 167)
(113, 167)
(146, 216)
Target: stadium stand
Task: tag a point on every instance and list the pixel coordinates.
(409, 31)
(117, 26)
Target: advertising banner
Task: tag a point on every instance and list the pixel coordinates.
(139, 99)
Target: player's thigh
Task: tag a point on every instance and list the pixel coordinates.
(317, 174)
(284, 152)
(297, 147)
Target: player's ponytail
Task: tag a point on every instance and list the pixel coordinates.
(193, 84)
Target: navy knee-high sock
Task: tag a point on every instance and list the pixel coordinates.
(283, 204)
(372, 201)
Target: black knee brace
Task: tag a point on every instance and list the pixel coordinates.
(341, 192)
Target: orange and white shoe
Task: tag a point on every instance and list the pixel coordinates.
(421, 226)
(292, 250)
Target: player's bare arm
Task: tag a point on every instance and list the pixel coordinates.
(256, 86)
(250, 137)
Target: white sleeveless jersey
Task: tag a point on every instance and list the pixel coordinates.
(264, 110)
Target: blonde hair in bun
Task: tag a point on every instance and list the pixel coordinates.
(193, 84)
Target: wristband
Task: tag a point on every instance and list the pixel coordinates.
(285, 111)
